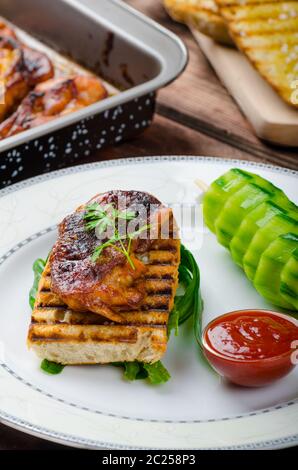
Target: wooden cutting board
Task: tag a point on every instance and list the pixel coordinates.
(272, 119)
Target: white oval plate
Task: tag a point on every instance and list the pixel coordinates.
(92, 406)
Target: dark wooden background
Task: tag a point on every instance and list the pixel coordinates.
(195, 116)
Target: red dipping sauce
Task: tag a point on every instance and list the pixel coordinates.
(251, 347)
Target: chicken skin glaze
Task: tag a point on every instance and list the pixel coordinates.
(52, 99)
(21, 68)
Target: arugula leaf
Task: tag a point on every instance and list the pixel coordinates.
(51, 367)
(156, 373)
(38, 268)
(132, 370)
(189, 304)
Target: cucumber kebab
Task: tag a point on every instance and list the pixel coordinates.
(257, 222)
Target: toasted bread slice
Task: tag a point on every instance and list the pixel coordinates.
(267, 32)
(202, 15)
(60, 334)
(21, 68)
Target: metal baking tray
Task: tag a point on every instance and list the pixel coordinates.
(120, 45)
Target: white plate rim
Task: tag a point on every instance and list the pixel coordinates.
(69, 439)
(140, 160)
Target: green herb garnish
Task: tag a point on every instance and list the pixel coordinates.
(156, 373)
(102, 218)
(51, 367)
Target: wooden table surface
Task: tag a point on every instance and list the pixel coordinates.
(195, 116)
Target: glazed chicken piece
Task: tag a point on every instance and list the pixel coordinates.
(109, 285)
(53, 99)
(21, 68)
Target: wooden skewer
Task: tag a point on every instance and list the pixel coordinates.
(201, 184)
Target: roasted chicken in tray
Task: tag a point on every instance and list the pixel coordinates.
(52, 99)
(30, 95)
(21, 68)
(106, 297)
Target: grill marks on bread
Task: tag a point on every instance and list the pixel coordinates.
(63, 335)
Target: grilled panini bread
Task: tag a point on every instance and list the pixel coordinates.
(267, 32)
(203, 15)
(21, 68)
(51, 99)
(89, 312)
